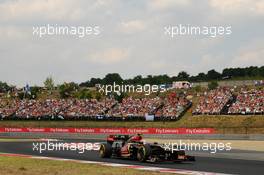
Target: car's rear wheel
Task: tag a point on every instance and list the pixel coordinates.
(105, 150)
(143, 152)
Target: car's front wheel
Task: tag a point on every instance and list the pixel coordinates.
(143, 152)
(105, 150)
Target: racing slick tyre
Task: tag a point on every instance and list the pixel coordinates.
(143, 152)
(105, 150)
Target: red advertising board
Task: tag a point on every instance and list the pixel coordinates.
(113, 130)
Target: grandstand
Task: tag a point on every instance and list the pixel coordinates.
(213, 102)
(220, 101)
(227, 101)
(248, 102)
(92, 109)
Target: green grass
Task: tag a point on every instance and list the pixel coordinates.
(27, 166)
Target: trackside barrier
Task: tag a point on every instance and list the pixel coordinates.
(111, 130)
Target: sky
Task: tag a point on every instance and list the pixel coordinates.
(131, 42)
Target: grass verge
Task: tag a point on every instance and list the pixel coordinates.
(27, 166)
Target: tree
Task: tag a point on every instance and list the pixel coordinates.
(111, 78)
(34, 91)
(250, 71)
(84, 94)
(201, 77)
(66, 89)
(213, 75)
(138, 79)
(149, 80)
(95, 81)
(161, 79)
(98, 96)
(183, 76)
(213, 85)
(49, 83)
(91, 83)
(4, 87)
(261, 71)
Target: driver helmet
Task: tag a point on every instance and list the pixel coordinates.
(136, 138)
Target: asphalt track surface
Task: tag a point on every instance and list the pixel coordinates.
(207, 164)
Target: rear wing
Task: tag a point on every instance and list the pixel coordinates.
(112, 138)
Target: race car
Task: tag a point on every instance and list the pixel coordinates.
(133, 147)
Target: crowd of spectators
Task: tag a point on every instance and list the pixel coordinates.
(7, 108)
(135, 107)
(72, 109)
(86, 108)
(213, 102)
(173, 107)
(248, 102)
(41, 109)
(53, 108)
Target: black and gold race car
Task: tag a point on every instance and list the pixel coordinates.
(132, 147)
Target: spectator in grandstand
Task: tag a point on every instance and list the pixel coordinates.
(173, 107)
(135, 107)
(248, 102)
(213, 102)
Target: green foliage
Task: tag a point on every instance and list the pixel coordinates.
(111, 78)
(21, 95)
(49, 83)
(252, 71)
(213, 75)
(198, 88)
(98, 96)
(183, 76)
(213, 85)
(92, 82)
(67, 89)
(34, 92)
(4, 87)
(83, 94)
(261, 71)
(119, 97)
